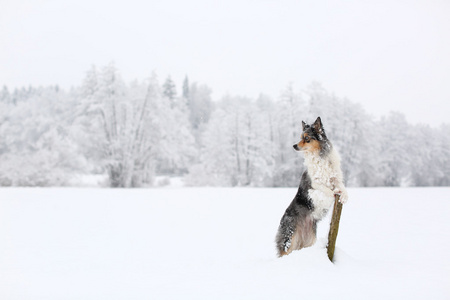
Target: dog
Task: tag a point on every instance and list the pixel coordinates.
(320, 182)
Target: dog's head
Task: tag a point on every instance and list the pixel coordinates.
(313, 138)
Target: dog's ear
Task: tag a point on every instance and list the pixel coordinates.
(318, 127)
(303, 125)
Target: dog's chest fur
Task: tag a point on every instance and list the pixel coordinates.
(324, 174)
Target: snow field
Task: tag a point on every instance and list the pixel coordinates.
(218, 243)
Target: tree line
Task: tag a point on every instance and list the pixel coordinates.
(132, 132)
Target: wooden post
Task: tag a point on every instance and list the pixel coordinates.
(334, 227)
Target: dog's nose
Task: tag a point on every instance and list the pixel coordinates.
(296, 147)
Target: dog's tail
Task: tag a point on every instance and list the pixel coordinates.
(297, 230)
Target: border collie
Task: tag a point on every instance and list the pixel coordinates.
(319, 184)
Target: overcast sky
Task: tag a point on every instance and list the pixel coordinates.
(386, 55)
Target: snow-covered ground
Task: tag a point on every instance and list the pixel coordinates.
(218, 243)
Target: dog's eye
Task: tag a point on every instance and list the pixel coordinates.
(307, 139)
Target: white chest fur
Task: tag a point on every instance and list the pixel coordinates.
(322, 171)
(322, 203)
(326, 176)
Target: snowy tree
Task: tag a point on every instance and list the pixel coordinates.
(177, 143)
(36, 147)
(235, 146)
(257, 148)
(393, 139)
(350, 132)
(109, 117)
(135, 128)
(200, 105)
(239, 124)
(186, 88)
(443, 140)
(429, 160)
(217, 161)
(5, 96)
(169, 90)
(267, 128)
(290, 111)
(90, 84)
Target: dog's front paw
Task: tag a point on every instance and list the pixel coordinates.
(343, 195)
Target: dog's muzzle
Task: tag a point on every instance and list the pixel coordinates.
(296, 147)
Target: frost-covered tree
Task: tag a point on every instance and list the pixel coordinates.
(120, 122)
(177, 149)
(394, 151)
(135, 128)
(235, 147)
(258, 160)
(443, 140)
(186, 88)
(36, 147)
(200, 105)
(90, 84)
(429, 156)
(216, 166)
(290, 111)
(5, 96)
(350, 132)
(169, 90)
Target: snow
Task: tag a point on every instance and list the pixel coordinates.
(218, 243)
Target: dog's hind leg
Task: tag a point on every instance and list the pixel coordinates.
(306, 231)
(297, 230)
(285, 233)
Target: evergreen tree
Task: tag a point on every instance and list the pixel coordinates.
(186, 88)
(4, 95)
(169, 89)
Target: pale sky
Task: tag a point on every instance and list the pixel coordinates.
(386, 55)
